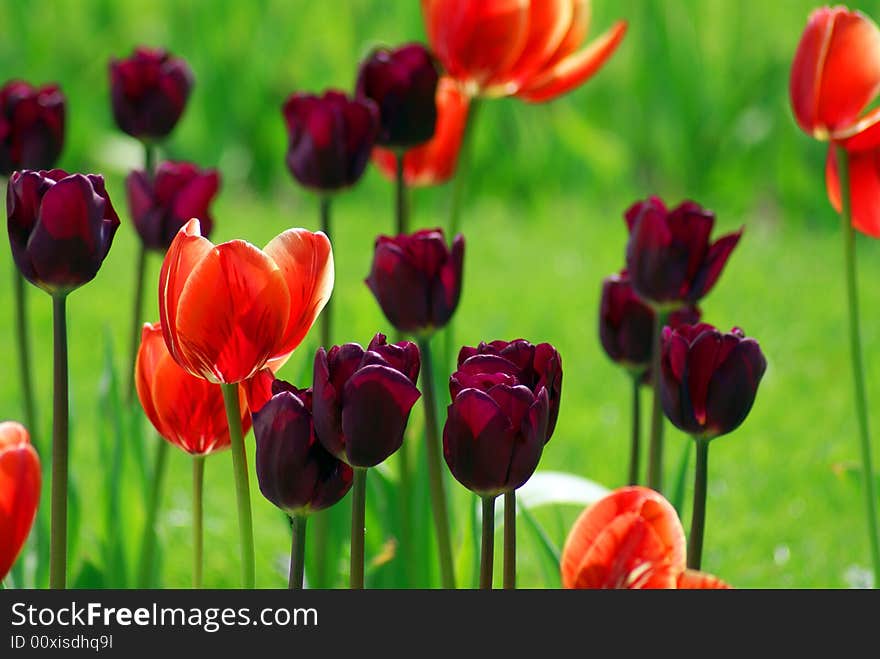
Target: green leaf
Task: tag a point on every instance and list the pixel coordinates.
(681, 479)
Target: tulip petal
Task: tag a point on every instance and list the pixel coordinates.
(326, 405)
(19, 491)
(150, 352)
(577, 32)
(864, 185)
(716, 259)
(195, 198)
(734, 385)
(692, 579)
(306, 263)
(575, 69)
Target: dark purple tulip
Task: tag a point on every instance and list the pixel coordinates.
(295, 472)
(709, 379)
(534, 366)
(362, 399)
(160, 205)
(331, 138)
(31, 126)
(417, 279)
(403, 83)
(668, 256)
(149, 91)
(60, 227)
(626, 324)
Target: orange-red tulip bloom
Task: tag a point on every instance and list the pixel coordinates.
(433, 162)
(632, 538)
(19, 491)
(186, 410)
(229, 310)
(523, 48)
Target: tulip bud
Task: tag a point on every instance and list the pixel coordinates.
(160, 205)
(19, 491)
(417, 279)
(31, 126)
(331, 137)
(403, 83)
(149, 91)
(295, 472)
(60, 227)
(670, 261)
(362, 399)
(709, 379)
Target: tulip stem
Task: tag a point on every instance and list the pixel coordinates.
(197, 516)
(297, 551)
(698, 512)
(136, 316)
(636, 431)
(435, 473)
(655, 450)
(148, 542)
(856, 354)
(358, 515)
(402, 207)
(24, 356)
(487, 546)
(465, 154)
(242, 487)
(58, 541)
(510, 540)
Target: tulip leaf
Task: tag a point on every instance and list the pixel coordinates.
(549, 554)
(677, 499)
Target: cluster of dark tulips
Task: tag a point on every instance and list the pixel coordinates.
(231, 314)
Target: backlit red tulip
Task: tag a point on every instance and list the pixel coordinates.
(669, 258)
(295, 471)
(149, 91)
(31, 126)
(417, 279)
(403, 84)
(330, 139)
(60, 227)
(186, 410)
(524, 48)
(435, 161)
(863, 155)
(19, 491)
(632, 539)
(162, 203)
(228, 310)
(362, 398)
(709, 379)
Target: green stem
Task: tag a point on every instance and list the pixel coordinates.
(435, 471)
(636, 431)
(136, 315)
(358, 514)
(698, 514)
(849, 250)
(297, 551)
(60, 436)
(465, 154)
(148, 542)
(487, 546)
(242, 488)
(402, 208)
(510, 540)
(655, 450)
(197, 516)
(24, 358)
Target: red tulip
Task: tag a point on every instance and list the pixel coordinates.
(435, 161)
(524, 48)
(186, 410)
(19, 491)
(632, 538)
(228, 310)
(864, 183)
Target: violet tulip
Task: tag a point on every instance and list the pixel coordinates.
(31, 126)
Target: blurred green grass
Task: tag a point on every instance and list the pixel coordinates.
(694, 104)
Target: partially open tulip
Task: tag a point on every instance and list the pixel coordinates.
(19, 491)
(162, 203)
(330, 139)
(417, 278)
(228, 310)
(149, 91)
(184, 409)
(709, 379)
(669, 258)
(435, 161)
(295, 471)
(631, 539)
(403, 84)
(362, 398)
(31, 126)
(524, 48)
(60, 227)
